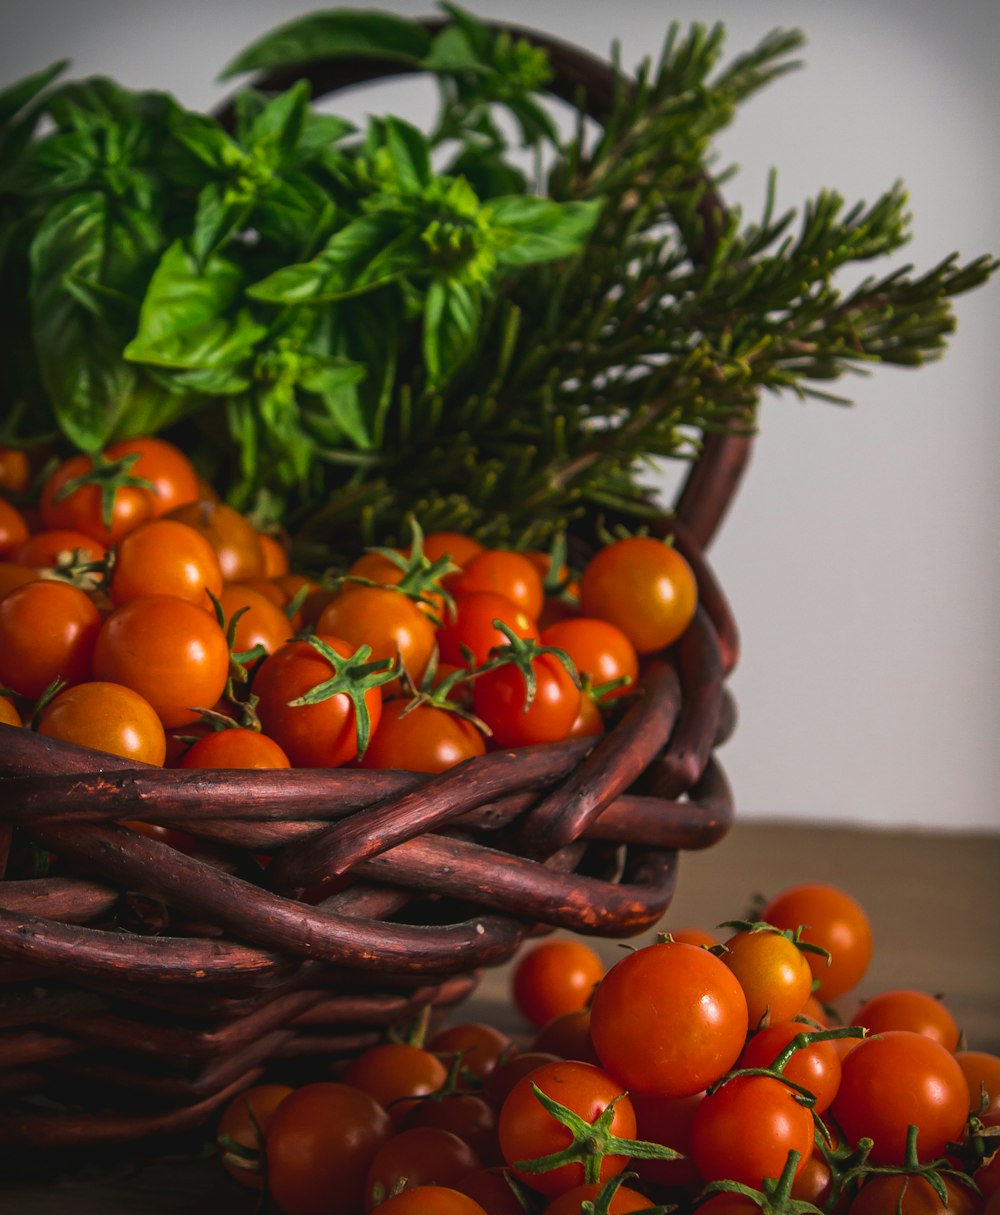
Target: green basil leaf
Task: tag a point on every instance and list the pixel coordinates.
(335, 382)
(189, 318)
(16, 96)
(540, 230)
(407, 154)
(451, 52)
(341, 34)
(205, 139)
(488, 174)
(451, 326)
(297, 215)
(219, 214)
(478, 36)
(275, 133)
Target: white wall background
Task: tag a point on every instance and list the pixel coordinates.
(861, 556)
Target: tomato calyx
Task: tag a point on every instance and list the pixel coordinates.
(352, 677)
(775, 1195)
(933, 1172)
(591, 1141)
(600, 1204)
(108, 476)
(521, 652)
(422, 577)
(793, 935)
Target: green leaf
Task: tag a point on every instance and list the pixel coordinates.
(341, 34)
(218, 216)
(277, 129)
(451, 328)
(408, 154)
(190, 320)
(16, 96)
(540, 230)
(79, 353)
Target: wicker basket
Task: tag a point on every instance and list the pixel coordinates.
(143, 986)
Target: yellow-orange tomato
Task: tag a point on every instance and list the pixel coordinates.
(387, 620)
(15, 470)
(165, 557)
(107, 717)
(9, 715)
(47, 632)
(167, 649)
(13, 528)
(235, 748)
(245, 1122)
(275, 555)
(173, 476)
(773, 973)
(262, 623)
(232, 535)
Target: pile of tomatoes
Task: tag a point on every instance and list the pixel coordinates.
(142, 617)
(695, 1075)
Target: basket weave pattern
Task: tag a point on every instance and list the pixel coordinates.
(160, 983)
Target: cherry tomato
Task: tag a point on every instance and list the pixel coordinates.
(500, 699)
(395, 1074)
(261, 624)
(9, 715)
(987, 1176)
(982, 1074)
(502, 572)
(164, 557)
(107, 717)
(82, 510)
(814, 1181)
(417, 1157)
(835, 921)
(528, 1131)
(490, 1189)
(903, 1008)
(322, 735)
(275, 555)
(643, 586)
(816, 1066)
(773, 973)
(387, 620)
(881, 1196)
(463, 1114)
(588, 722)
(322, 1140)
(568, 1036)
(893, 1079)
(472, 627)
(235, 748)
(431, 1200)
(232, 535)
(624, 1200)
(600, 651)
(168, 650)
(58, 546)
(459, 548)
(48, 631)
(726, 1203)
(13, 528)
(175, 481)
(508, 1072)
(15, 470)
(669, 1019)
(555, 977)
(744, 1130)
(246, 1121)
(481, 1046)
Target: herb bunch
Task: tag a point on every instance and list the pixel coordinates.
(345, 333)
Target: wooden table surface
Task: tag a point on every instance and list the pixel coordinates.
(934, 902)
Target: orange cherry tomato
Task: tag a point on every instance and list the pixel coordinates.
(107, 717)
(421, 739)
(175, 481)
(48, 631)
(387, 620)
(234, 748)
(275, 555)
(555, 977)
(245, 1121)
(904, 1008)
(58, 546)
(262, 623)
(396, 1074)
(13, 528)
(82, 508)
(232, 535)
(15, 470)
(164, 557)
(836, 922)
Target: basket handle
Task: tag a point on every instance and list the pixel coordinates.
(579, 77)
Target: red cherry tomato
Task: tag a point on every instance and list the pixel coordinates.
(261, 622)
(82, 508)
(234, 748)
(904, 1008)
(481, 1046)
(175, 481)
(417, 1157)
(13, 529)
(835, 921)
(322, 1140)
(982, 1075)
(686, 1009)
(472, 627)
(505, 573)
(395, 1074)
(232, 535)
(529, 1132)
(58, 546)
(816, 1066)
(599, 650)
(912, 1196)
(555, 977)
(387, 620)
(500, 699)
(624, 1200)
(894, 1079)
(431, 1200)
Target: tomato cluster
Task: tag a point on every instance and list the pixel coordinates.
(141, 616)
(656, 1085)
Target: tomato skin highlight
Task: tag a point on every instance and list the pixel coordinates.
(686, 1008)
(893, 1079)
(322, 1140)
